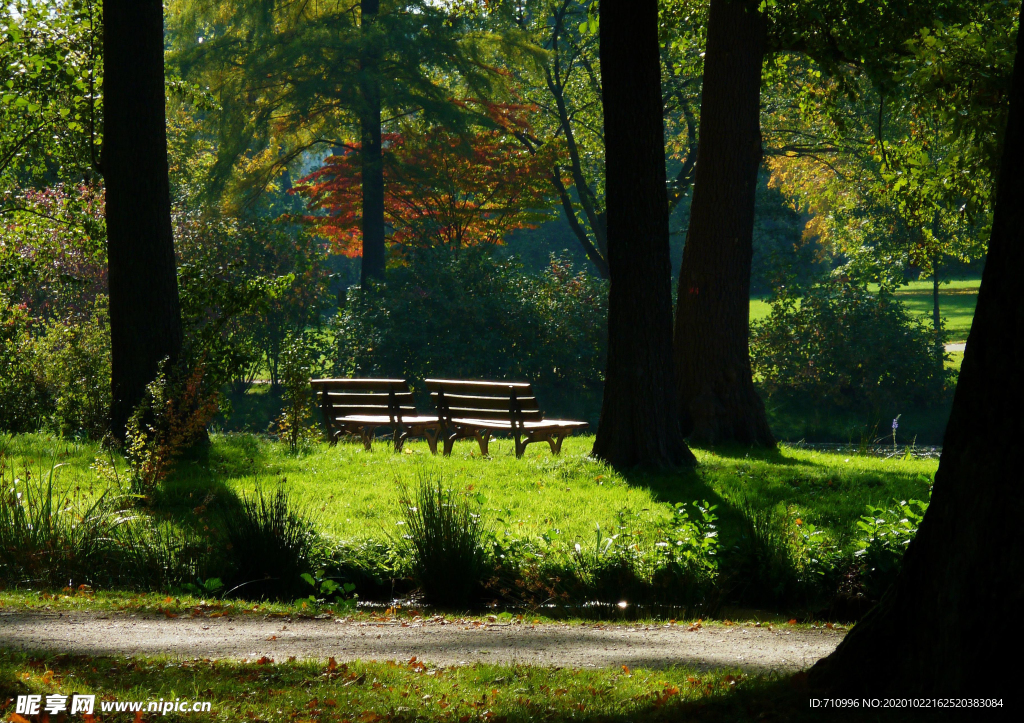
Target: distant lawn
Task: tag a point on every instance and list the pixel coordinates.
(355, 493)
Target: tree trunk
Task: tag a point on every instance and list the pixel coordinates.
(639, 422)
(372, 156)
(145, 315)
(948, 626)
(718, 401)
(936, 319)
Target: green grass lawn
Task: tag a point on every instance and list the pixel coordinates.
(368, 692)
(355, 494)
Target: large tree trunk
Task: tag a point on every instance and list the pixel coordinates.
(372, 157)
(145, 316)
(715, 387)
(639, 422)
(948, 626)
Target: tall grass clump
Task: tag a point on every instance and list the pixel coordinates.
(59, 537)
(270, 543)
(763, 564)
(447, 543)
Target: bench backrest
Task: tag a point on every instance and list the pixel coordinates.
(364, 397)
(502, 401)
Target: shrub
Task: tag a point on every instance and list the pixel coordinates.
(22, 390)
(446, 538)
(269, 545)
(473, 316)
(855, 349)
(171, 417)
(295, 372)
(74, 357)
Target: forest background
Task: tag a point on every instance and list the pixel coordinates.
(876, 181)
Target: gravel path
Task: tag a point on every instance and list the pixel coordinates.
(438, 642)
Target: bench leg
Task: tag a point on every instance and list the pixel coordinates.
(449, 442)
(555, 442)
(521, 445)
(482, 438)
(399, 437)
(431, 436)
(366, 433)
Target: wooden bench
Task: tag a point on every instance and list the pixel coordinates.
(478, 409)
(361, 406)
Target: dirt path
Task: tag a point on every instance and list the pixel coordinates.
(440, 643)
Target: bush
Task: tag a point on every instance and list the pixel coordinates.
(449, 557)
(23, 395)
(851, 348)
(74, 357)
(54, 374)
(269, 546)
(473, 316)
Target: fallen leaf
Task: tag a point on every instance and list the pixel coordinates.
(15, 718)
(792, 621)
(332, 665)
(264, 660)
(625, 669)
(272, 637)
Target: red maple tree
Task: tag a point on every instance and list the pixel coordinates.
(441, 189)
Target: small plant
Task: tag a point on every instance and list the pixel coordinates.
(170, 418)
(328, 590)
(884, 535)
(295, 373)
(269, 544)
(446, 537)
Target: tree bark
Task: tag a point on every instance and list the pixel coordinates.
(936, 318)
(714, 383)
(372, 154)
(947, 626)
(145, 315)
(639, 422)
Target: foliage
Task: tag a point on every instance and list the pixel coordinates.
(53, 254)
(22, 392)
(441, 189)
(172, 416)
(73, 358)
(244, 285)
(424, 57)
(446, 539)
(270, 544)
(299, 404)
(846, 347)
(883, 536)
(54, 374)
(50, 100)
(472, 317)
